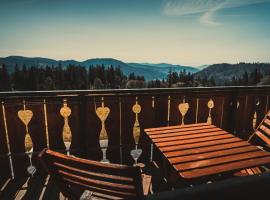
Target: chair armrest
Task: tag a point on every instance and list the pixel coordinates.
(146, 183)
(266, 147)
(86, 195)
(260, 147)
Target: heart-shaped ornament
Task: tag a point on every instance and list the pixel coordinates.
(31, 169)
(103, 113)
(183, 108)
(25, 116)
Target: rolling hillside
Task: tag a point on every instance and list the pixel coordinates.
(149, 71)
(224, 71)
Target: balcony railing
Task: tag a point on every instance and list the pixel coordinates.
(42, 118)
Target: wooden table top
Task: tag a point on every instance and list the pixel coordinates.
(199, 150)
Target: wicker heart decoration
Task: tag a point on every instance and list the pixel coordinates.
(183, 108)
(102, 113)
(25, 116)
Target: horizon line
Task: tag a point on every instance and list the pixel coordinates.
(139, 62)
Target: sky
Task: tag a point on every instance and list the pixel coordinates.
(186, 32)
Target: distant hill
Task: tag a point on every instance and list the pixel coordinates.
(11, 61)
(176, 68)
(201, 67)
(225, 71)
(149, 71)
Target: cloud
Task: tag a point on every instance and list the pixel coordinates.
(208, 17)
(208, 8)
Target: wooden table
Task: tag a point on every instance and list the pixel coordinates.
(201, 150)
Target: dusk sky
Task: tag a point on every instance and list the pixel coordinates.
(187, 32)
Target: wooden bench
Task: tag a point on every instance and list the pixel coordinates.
(74, 176)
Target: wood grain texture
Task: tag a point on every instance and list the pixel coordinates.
(203, 150)
(108, 181)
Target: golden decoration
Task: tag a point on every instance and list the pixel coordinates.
(28, 143)
(183, 108)
(254, 121)
(7, 140)
(169, 109)
(103, 113)
(65, 112)
(46, 123)
(210, 105)
(153, 101)
(237, 104)
(25, 116)
(136, 128)
(5, 124)
(197, 110)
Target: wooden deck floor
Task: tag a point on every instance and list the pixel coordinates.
(29, 188)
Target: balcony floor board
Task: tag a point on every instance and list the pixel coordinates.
(38, 187)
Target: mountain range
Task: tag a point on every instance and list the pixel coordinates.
(225, 72)
(148, 70)
(220, 72)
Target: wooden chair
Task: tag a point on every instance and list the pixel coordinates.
(75, 176)
(263, 133)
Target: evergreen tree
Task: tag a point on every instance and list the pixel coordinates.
(32, 82)
(4, 79)
(245, 78)
(131, 76)
(255, 77)
(169, 77)
(98, 84)
(17, 78)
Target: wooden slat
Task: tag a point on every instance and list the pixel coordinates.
(265, 129)
(263, 137)
(177, 133)
(201, 144)
(226, 167)
(180, 129)
(89, 174)
(257, 170)
(100, 192)
(100, 177)
(98, 183)
(90, 165)
(206, 149)
(186, 137)
(249, 171)
(148, 130)
(220, 161)
(214, 154)
(267, 121)
(199, 149)
(196, 140)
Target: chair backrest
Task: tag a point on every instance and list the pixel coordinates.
(107, 181)
(263, 130)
